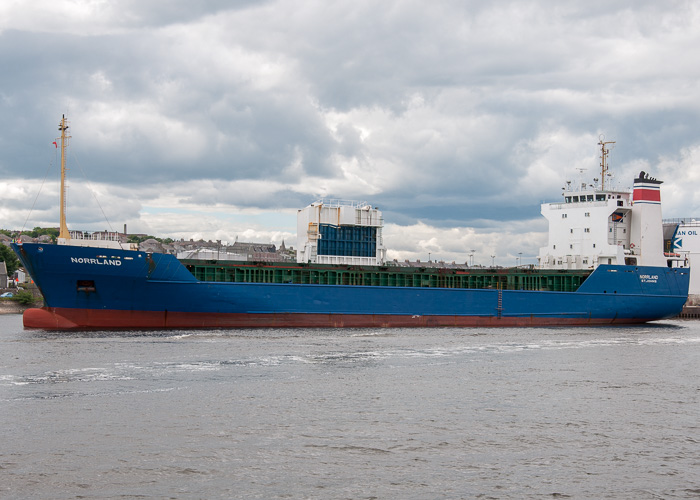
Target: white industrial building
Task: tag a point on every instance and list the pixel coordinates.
(684, 242)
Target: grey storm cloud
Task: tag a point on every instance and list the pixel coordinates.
(451, 113)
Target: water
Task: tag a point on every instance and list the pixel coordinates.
(414, 414)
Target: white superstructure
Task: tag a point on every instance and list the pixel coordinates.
(594, 225)
(590, 227)
(340, 232)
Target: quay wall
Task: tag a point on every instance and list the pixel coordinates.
(11, 307)
(690, 312)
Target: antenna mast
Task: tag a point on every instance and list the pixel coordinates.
(603, 164)
(63, 126)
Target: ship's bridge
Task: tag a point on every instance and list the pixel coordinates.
(590, 227)
(594, 195)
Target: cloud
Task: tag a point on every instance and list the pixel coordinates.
(501, 243)
(454, 118)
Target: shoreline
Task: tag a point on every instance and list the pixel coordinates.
(13, 307)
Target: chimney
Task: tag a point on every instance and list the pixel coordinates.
(646, 232)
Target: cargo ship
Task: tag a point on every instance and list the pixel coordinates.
(604, 264)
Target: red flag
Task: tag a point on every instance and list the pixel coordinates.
(54, 143)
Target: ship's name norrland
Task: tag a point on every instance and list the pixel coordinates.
(101, 262)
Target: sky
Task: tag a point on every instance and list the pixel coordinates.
(220, 119)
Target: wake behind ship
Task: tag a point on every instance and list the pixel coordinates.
(604, 264)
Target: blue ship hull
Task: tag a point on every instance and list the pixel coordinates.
(106, 288)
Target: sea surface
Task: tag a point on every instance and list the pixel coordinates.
(428, 413)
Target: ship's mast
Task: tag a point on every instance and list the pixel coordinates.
(603, 163)
(63, 126)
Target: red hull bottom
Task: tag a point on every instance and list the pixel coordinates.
(51, 318)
